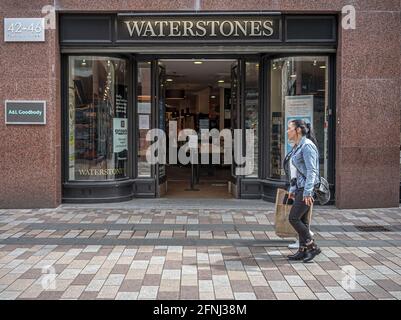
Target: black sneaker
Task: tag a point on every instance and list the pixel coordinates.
(311, 254)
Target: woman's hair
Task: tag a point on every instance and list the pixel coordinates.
(306, 129)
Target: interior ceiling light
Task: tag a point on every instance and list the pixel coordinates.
(212, 97)
(322, 67)
(220, 81)
(169, 80)
(198, 62)
(293, 76)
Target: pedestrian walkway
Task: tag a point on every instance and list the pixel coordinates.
(194, 249)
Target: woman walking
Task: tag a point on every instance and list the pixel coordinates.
(302, 167)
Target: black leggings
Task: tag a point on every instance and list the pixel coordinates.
(299, 218)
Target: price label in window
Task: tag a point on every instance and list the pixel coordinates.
(24, 29)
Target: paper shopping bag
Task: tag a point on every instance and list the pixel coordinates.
(283, 227)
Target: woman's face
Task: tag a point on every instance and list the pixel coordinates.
(292, 132)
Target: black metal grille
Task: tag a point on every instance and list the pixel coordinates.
(373, 228)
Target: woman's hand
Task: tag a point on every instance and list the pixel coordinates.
(308, 201)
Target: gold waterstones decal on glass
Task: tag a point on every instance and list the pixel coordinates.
(100, 172)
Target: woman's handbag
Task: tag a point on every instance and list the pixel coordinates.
(283, 227)
(322, 191)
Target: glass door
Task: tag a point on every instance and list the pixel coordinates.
(235, 123)
(160, 115)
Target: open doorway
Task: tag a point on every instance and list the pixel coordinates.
(198, 95)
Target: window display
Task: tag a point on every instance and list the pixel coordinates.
(98, 124)
(299, 90)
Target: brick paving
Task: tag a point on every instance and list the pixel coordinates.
(226, 252)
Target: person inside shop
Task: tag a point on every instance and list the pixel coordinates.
(302, 168)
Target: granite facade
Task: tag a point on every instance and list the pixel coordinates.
(368, 90)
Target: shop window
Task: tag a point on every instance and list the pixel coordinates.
(299, 90)
(143, 116)
(98, 121)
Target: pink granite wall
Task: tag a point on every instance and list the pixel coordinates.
(368, 98)
(30, 160)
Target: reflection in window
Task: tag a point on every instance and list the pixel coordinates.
(299, 90)
(251, 107)
(98, 124)
(143, 116)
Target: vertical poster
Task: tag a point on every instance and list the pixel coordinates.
(120, 135)
(297, 107)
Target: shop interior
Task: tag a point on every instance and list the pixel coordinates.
(198, 96)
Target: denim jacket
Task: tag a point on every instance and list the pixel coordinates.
(305, 157)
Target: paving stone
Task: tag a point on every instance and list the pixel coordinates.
(295, 281)
(244, 296)
(95, 285)
(73, 292)
(83, 279)
(396, 294)
(108, 292)
(378, 292)
(51, 295)
(20, 284)
(148, 292)
(241, 286)
(127, 296)
(189, 292)
(9, 295)
(339, 293)
(204, 271)
(264, 293)
(280, 287)
(362, 296)
(286, 296)
(151, 280)
(114, 280)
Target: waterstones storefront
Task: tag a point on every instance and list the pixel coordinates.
(115, 87)
(108, 101)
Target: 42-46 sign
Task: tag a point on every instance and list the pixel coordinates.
(24, 29)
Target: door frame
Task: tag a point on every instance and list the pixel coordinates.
(241, 61)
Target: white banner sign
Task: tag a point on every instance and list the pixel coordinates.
(120, 135)
(297, 108)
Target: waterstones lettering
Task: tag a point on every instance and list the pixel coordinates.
(100, 172)
(141, 28)
(198, 29)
